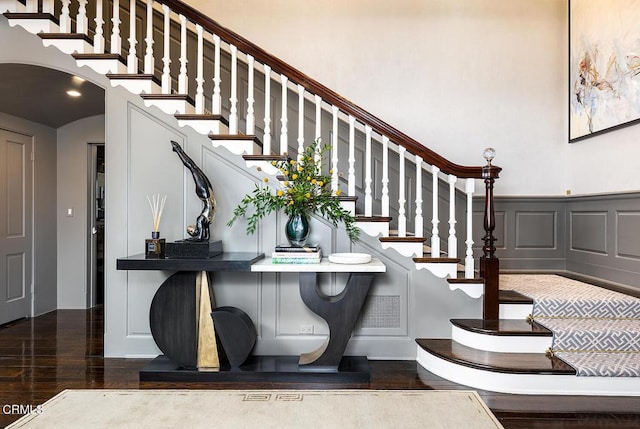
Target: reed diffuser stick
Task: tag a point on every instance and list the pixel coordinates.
(156, 203)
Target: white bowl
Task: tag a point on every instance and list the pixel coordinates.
(349, 258)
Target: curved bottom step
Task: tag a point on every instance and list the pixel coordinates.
(528, 375)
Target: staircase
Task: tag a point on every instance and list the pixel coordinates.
(512, 355)
(212, 88)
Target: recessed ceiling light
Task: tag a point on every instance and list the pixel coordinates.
(77, 79)
(73, 93)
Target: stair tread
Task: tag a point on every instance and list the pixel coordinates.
(463, 280)
(511, 363)
(430, 260)
(97, 56)
(395, 239)
(31, 15)
(513, 297)
(362, 218)
(502, 327)
(66, 36)
(264, 157)
(136, 76)
(234, 137)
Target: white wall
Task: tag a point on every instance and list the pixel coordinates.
(457, 75)
(73, 140)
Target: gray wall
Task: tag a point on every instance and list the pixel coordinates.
(44, 209)
(403, 304)
(72, 182)
(596, 236)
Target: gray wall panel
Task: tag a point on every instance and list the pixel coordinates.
(588, 231)
(597, 236)
(535, 230)
(628, 235)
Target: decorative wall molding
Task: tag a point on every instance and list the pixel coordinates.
(592, 235)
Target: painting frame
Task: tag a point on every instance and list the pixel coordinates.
(604, 66)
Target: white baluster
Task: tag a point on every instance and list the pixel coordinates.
(435, 235)
(402, 218)
(266, 144)
(233, 99)
(148, 55)
(318, 156)
(166, 59)
(251, 121)
(98, 37)
(65, 18)
(216, 101)
(132, 60)
(183, 83)
(452, 245)
(334, 150)
(81, 18)
(385, 176)
(200, 71)
(368, 199)
(284, 138)
(418, 220)
(351, 178)
(469, 269)
(48, 6)
(300, 122)
(116, 41)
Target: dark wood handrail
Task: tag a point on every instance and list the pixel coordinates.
(328, 95)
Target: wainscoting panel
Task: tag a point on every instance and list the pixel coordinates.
(535, 230)
(530, 232)
(588, 232)
(596, 236)
(628, 235)
(614, 244)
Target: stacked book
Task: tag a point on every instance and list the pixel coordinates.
(286, 254)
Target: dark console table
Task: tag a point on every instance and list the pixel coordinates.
(182, 328)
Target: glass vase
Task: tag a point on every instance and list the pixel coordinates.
(297, 230)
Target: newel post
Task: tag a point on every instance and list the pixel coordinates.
(489, 263)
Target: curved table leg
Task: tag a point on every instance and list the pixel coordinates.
(180, 320)
(339, 311)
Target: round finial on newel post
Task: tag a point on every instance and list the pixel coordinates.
(488, 154)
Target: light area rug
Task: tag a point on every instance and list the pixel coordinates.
(280, 409)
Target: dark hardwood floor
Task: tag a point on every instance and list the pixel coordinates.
(42, 356)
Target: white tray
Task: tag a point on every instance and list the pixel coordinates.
(350, 258)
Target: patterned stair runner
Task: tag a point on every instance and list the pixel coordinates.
(596, 331)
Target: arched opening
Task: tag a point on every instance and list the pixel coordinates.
(48, 120)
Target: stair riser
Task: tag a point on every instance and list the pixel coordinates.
(36, 26)
(104, 66)
(527, 384)
(501, 343)
(137, 86)
(374, 229)
(69, 46)
(515, 311)
(441, 270)
(405, 249)
(474, 290)
(349, 206)
(205, 126)
(171, 106)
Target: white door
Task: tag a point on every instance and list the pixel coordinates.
(15, 226)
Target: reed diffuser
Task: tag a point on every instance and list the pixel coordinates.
(154, 247)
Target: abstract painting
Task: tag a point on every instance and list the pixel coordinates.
(604, 66)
